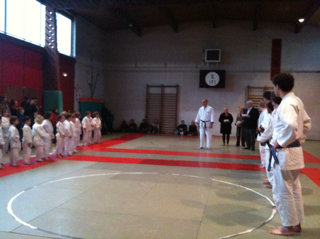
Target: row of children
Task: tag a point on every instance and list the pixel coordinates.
(68, 128)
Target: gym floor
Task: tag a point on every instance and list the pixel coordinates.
(150, 186)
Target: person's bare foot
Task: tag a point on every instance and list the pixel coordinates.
(269, 186)
(297, 228)
(282, 231)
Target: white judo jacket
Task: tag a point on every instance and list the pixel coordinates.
(27, 134)
(292, 123)
(96, 122)
(40, 135)
(86, 123)
(205, 114)
(47, 126)
(14, 137)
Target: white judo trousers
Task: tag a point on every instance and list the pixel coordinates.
(262, 155)
(60, 145)
(26, 152)
(204, 130)
(269, 173)
(287, 196)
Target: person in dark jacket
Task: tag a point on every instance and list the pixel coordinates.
(250, 124)
(225, 120)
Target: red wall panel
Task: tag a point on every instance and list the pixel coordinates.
(33, 74)
(12, 64)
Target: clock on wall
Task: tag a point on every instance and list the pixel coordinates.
(212, 78)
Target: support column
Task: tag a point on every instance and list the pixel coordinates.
(276, 57)
(51, 73)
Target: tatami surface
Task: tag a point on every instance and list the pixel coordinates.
(150, 186)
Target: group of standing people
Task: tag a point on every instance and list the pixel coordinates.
(68, 128)
(282, 126)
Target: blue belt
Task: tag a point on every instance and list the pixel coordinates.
(295, 144)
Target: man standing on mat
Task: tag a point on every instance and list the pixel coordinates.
(291, 128)
(250, 124)
(205, 120)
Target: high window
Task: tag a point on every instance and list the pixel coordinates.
(25, 19)
(64, 34)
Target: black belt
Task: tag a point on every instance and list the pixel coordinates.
(295, 144)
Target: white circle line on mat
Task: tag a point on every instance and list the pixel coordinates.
(10, 211)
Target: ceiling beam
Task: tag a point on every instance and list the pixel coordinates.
(132, 25)
(170, 18)
(256, 17)
(307, 16)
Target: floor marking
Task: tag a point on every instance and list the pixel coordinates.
(10, 211)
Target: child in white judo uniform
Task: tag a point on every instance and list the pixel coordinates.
(14, 137)
(5, 129)
(47, 126)
(87, 128)
(78, 127)
(74, 133)
(60, 135)
(96, 124)
(1, 142)
(27, 140)
(68, 135)
(40, 137)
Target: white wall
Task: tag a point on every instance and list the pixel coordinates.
(161, 56)
(88, 35)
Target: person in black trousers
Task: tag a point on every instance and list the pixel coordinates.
(226, 120)
(250, 124)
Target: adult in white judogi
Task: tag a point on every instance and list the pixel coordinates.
(1, 143)
(15, 145)
(293, 123)
(96, 124)
(60, 135)
(47, 126)
(205, 120)
(5, 130)
(27, 142)
(87, 128)
(263, 120)
(39, 138)
(68, 136)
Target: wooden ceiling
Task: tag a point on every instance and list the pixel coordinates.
(138, 14)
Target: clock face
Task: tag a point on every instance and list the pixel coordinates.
(212, 79)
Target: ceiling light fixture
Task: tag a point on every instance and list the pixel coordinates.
(301, 20)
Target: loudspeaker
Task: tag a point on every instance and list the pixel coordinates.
(212, 55)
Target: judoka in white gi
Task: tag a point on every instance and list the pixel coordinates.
(265, 137)
(47, 126)
(39, 138)
(263, 121)
(60, 135)
(14, 137)
(205, 120)
(74, 133)
(1, 142)
(292, 126)
(27, 140)
(68, 144)
(87, 128)
(96, 124)
(78, 127)
(5, 129)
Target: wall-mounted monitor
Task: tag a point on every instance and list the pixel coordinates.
(213, 55)
(212, 79)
